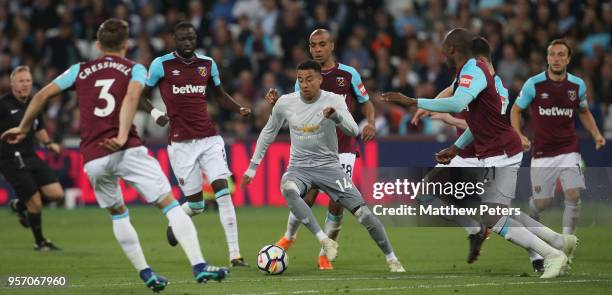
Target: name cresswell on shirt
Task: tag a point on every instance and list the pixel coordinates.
(555, 111)
(189, 89)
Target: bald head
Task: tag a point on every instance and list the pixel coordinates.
(323, 33)
(461, 40)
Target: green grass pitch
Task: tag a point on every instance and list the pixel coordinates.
(433, 257)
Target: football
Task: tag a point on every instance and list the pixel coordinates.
(272, 260)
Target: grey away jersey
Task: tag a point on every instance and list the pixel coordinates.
(314, 142)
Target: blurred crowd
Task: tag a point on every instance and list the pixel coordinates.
(393, 44)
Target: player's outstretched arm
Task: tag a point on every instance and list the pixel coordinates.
(453, 104)
(449, 119)
(17, 134)
(266, 137)
(420, 113)
(228, 102)
(587, 120)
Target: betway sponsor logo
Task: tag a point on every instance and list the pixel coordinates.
(189, 89)
(555, 111)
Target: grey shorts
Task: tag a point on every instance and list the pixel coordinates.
(332, 180)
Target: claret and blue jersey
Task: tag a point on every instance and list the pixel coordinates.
(184, 85)
(552, 110)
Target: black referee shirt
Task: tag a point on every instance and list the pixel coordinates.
(11, 112)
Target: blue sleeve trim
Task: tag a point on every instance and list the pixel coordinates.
(215, 73)
(67, 79)
(453, 104)
(526, 95)
(356, 83)
(139, 74)
(156, 70)
(296, 87)
(465, 139)
(472, 79)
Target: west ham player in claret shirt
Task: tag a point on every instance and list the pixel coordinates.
(186, 79)
(554, 96)
(343, 80)
(108, 91)
(497, 145)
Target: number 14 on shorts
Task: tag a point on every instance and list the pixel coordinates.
(344, 184)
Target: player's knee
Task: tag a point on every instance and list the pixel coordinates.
(572, 195)
(289, 188)
(117, 209)
(542, 204)
(34, 204)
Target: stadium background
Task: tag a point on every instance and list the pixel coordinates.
(394, 45)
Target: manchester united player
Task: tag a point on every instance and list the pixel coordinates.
(553, 97)
(185, 80)
(344, 80)
(108, 90)
(497, 146)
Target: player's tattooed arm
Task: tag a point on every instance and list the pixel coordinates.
(17, 134)
(587, 120)
(145, 104)
(228, 102)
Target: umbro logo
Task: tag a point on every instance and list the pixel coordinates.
(14, 111)
(544, 95)
(176, 72)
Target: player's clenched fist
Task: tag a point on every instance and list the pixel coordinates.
(446, 155)
(525, 142)
(246, 180)
(245, 112)
(272, 96)
(328, 111)
(600, 142)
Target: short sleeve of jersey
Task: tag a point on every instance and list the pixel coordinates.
(156, 72)
(139, 74)
(215, 73)
(582, 94)
(358, 88)
(471, 79)
(67, 79)
(527, 94)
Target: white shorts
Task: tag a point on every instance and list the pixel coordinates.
(192, 157)
(347, 160)
(546, 171)
(501, 173)
(134, 166)
(458, 161)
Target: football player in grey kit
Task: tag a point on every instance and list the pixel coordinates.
(313, 115)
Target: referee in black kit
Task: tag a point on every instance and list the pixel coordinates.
(29, 176)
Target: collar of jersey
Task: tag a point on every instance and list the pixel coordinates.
(185, 60)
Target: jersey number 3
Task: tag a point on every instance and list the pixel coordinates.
(105, 95)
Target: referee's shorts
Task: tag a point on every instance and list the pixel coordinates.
(28, 178)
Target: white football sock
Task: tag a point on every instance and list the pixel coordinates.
(293, 224)
(332, 227)
(516, 233)
(227, 215)
(570, 216)
(128, 240)
(548, 235)
(185, 232)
